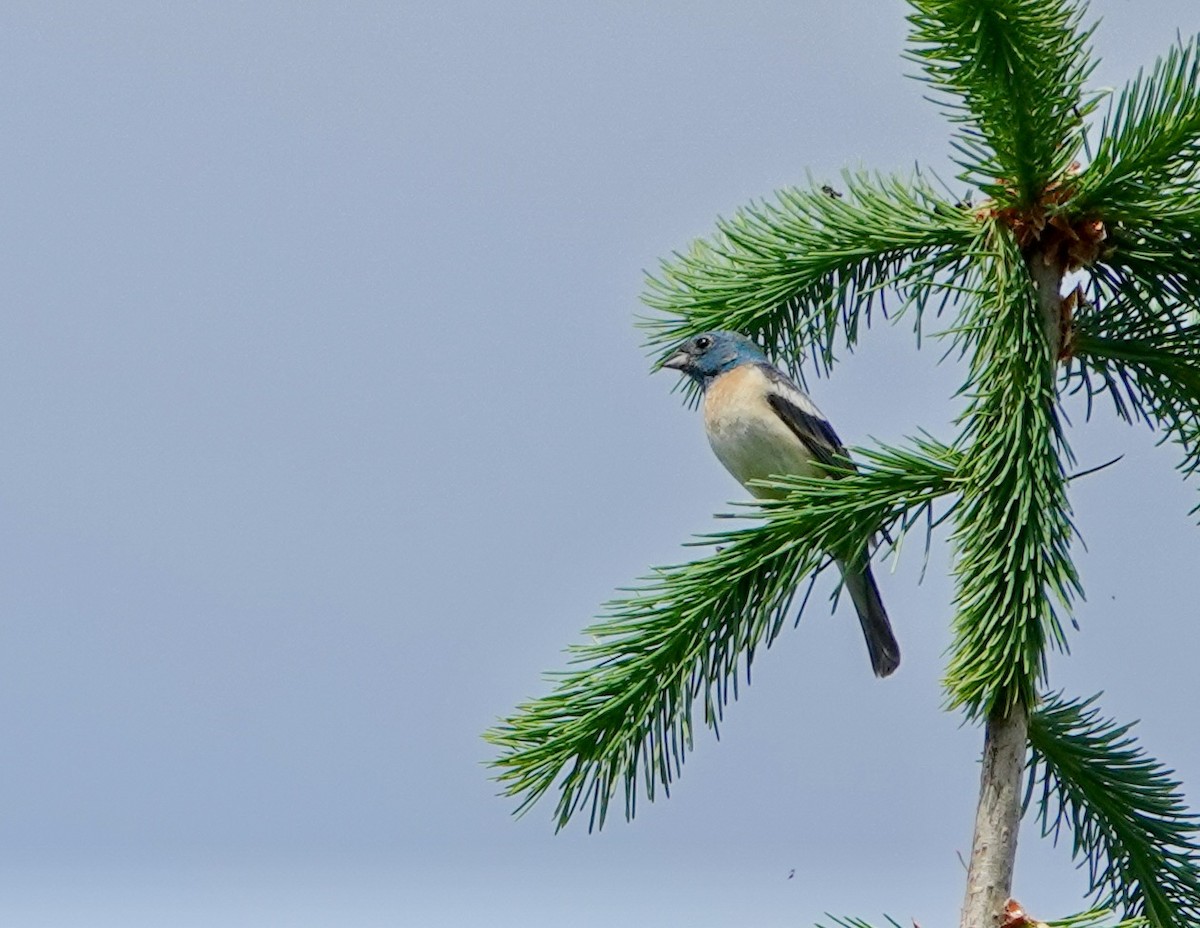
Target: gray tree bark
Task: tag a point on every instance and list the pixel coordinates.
(997, 819)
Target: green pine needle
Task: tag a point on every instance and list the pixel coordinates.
(1013, 529)
(1098, 918)
(1149, 148)
(1151, 264)
(624, 714)
(1013, 71)
(1140, 343)
(1125, 812)
(847, 922)
(797, 272)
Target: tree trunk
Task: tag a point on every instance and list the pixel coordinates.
(997, 819)
(1006, 738)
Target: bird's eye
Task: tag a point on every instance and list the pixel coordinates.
(704, 343)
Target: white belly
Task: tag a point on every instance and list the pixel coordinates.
(746, 434)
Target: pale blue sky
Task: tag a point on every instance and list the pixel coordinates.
(327, 429)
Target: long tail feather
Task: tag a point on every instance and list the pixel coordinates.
(881, 641)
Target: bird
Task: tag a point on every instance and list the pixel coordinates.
(761, 425)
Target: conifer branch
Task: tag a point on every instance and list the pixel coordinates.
(625, 712)
(1149, 272)
(1124, 811)
(797, 272)
(1013, 529)
(1097, 918)
(1145, 354)
(1012, 72)
(1149, 147)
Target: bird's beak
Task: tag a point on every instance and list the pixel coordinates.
(678, 361)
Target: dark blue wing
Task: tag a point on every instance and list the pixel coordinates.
(805, 420)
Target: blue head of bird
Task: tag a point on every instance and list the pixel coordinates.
(708, 355)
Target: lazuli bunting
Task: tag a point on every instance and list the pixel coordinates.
(760, 425)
